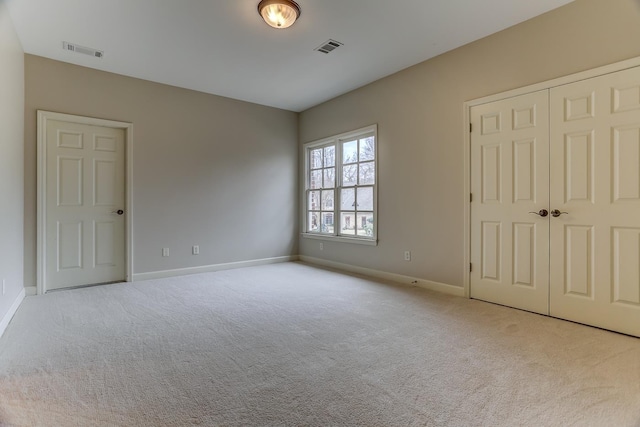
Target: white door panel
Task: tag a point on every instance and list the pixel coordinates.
(85, 241)
(591, 256)
(595, 176)
(509, 179)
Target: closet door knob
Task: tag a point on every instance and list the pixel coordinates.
(556, 213)
(541, 212)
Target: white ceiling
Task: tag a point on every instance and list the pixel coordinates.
(223, 47)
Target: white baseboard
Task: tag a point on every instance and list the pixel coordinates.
(31, 290)
(407, 280)
(12, 310)
(210, 268)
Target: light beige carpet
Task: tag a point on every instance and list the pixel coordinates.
(294, 345)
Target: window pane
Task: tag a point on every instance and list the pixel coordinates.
(347, 199)
(365, 224)
(365, 199)
(327, 200)
(348, 223)
(341, 185)
(329, 177)
(367, 173)
(314, 200)
(316, 158)
(367, 149)
(329, 156)
(313, 223)
(349, 175)
(327, 222)
(315, 180)
(350, 152)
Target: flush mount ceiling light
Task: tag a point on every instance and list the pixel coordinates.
(279, 13)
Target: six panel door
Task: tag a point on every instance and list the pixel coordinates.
(509, 183)
(595, 179)
(85, 232)
(593, 165)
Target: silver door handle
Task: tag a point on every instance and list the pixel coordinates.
(118, 212)
(541, 212)
(556, 213)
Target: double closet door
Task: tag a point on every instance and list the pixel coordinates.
(555, 216)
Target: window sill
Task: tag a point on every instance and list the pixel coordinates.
(366, 242)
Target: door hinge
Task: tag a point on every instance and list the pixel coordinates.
(470, 127)
(470, 267)
(470, 197)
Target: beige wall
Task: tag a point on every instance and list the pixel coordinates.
(11, 161)
(208, 170)
(419, 112)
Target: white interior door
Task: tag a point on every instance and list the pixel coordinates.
(509, 180)
(595, 178)
(85, 201)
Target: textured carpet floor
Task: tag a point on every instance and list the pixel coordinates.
(294, 345)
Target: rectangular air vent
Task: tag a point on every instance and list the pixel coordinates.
(328, 46)
(83, 50)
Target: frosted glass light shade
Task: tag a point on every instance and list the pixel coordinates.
(279, 13)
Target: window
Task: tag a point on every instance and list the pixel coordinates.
(341, 187)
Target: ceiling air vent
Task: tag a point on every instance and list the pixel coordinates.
(328, 46)
(83, 50)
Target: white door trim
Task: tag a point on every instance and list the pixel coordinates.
(572, 78)
(43, 118)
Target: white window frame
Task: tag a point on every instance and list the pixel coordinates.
(336, 141)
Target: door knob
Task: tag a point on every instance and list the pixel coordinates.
(541, 212)
(556, 213)
(119, 212)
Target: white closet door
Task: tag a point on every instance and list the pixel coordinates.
(595, 178)
(510, 179)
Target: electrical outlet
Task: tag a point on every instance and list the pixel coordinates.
(165, 251)
(195, 250)
(321, 246)
(407, 255)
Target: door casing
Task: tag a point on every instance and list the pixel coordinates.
(43, 118)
